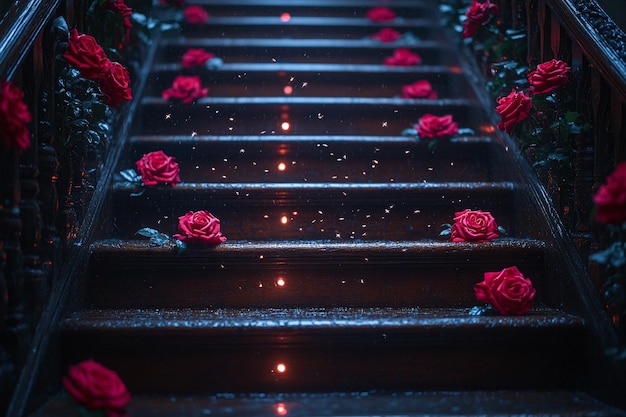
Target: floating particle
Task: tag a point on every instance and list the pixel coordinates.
(242, 150)
(304, 84)
(384, 124)
(320, 116)
(273, 59)
(168, 115)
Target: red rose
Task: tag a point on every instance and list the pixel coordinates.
(431, 126)
(86, 55)
(115, 85)
(96, 386)
(473, 226)
(186, 89)
(14, 118)
(156, 167)
(196, 15)
(386, 35)
(478, 15)
(512, 109)
(610, 199)
(403, 57)
(380, 14)
(200, 227)
(548, 76)
(119, 7)
(419, 89)
(508, 291)
(196, 57)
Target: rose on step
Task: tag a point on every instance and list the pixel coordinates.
(549, 76)
(115, 85)
(94, 386)
(157, 167)
(196, 15)
(610, 199)
(14, 118)
(513, 109)
(380, 14)
(386, 35)
(186, 89)
(86, 55)
(199, 227)
(508, 291)
(196, 57)
(403, 57)
(430, 126)
(419, 89)
(476, 16)
(473, 226)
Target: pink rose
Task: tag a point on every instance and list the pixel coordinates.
(386, 35)
(419, 89)
(403, 57)
(512, 109)
(156, 167)
(196, 57)
(610, 199)
(199, 227)
(508, 291)
(478, 15)
(86, 55)
(115, 85)
(186, 89)
(96, 386)
(548, 76)
(196, 15)
(380, 14)
(473, 226)
(431, 126)
(14, 118)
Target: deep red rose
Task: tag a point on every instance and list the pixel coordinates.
(508, 291)
(186, 89)
(115, 85)
(419, 89)
(177, 4)
(431, 126)
(156, 167)
(386, 35)
(478, 15)
(86, 55)
(380, 14)
(512, 109)
(548, 76)
(95, 386)
(119, 7)
(403, 57)
(196, 15)
(473, 226)
(196, 57)
(14, 118)
(610, 199)
(200, 227)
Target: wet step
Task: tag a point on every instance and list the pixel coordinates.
(302, 116)
(134, 273)
(277, 350)
(530, 403)
(308, 210)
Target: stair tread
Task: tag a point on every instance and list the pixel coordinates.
(528, 403)
(295, 67)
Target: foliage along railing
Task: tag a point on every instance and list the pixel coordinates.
(574, 133)
(67, 72)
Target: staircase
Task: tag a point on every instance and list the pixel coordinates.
(335, 294)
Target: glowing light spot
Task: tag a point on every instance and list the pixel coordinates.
(282, 166)
(285, 126)
(284, 220)
(281, 368)
(280, 282)
(281, 410)
(288, 89)
(285, 17)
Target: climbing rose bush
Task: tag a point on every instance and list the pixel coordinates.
(115, 85)
(196, 57)
(381, 14)
(549, 76)
(158, 168)
(386, 35)
(403, 57)
(419, 89)
(120, 8)
(96, 387)
(14, 118)
(479, 14)
(513, 109)
(508, 291)
(199, 227)
(473, 226)
(610, 199)
(86, 55)
(186, 89)
(196, 15)
(430, 126)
